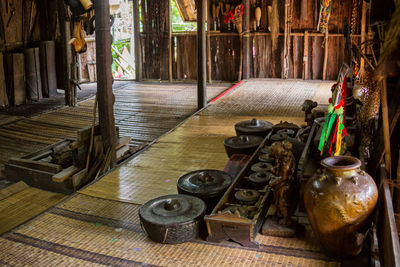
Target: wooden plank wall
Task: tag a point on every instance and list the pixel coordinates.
(225, 46)
(154, 42)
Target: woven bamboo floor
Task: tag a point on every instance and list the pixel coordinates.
(142, 111)
(100, 226)
(20, 202)
(273, 97)
(87, 231)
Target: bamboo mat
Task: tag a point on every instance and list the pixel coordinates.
(19, 203)
(273, 97)
(142, 111)
(86, 231)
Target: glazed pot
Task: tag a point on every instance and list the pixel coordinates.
(339, 203)
(253, 127)
(243, 144)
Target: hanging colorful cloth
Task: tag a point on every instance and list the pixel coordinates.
(334, 128)
(324, 13)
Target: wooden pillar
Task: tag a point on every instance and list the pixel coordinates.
(209, 26)
(136, 35)
(105, 95)
(201, 54)
(170, 43)
(246, 40)
(66, 53)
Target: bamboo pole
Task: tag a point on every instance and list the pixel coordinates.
(286, 43)
(240, 60)
(305, 56)
(363, 36)
(386, 131)
(324, 74)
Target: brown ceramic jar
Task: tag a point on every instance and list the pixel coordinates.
(339, 201)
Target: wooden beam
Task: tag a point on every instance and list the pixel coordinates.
(246, 40)
(201, 54)
(138, 49)
(104, 78)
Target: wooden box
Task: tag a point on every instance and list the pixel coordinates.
(227, 226)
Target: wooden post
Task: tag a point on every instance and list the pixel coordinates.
(65, 53)
(246, 40)
(170, 43)
(305, 56)
(324, 74)
(136, 35)
(105, 95)
(201, 55)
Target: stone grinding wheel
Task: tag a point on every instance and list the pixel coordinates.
(172, 219)
(262, 167)
(244, 144)
(209, 185)
(253, 127)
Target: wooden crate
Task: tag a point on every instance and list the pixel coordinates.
(225, 226)
(38, 173)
